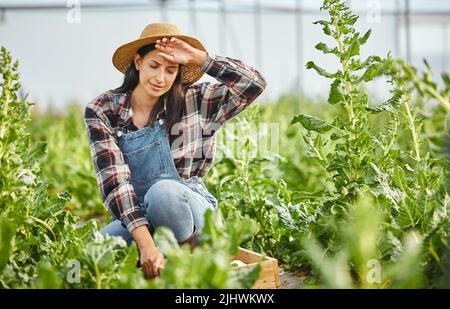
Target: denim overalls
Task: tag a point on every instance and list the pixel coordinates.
(147, 153)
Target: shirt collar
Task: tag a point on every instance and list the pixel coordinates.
(122, 106)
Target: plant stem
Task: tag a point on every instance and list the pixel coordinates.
(348, 105)
(393, 138)
(412, 127)
(443, 101)
(98, 281)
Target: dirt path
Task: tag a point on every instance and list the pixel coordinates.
(290, 280)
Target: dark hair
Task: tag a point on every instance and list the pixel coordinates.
(175, 95)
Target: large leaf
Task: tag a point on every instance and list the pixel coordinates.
(365, 37)
(327, 50)
(352, 50)
(335, 95)
(390, 105)
(370, 73)
(320, 71)
(326, 26)
(311, 123)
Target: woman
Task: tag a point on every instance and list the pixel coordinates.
(152, 138)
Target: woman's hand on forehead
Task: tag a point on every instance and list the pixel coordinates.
(175, 50)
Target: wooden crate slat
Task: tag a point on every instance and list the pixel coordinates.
(269, 276)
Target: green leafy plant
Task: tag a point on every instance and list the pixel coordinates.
(407, 184)
(209, 265)
(242, 181)
(67, 162)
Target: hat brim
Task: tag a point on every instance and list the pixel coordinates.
(124, 55)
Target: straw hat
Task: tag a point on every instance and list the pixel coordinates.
(123, 55)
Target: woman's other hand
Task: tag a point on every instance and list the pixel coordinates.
(152, 261)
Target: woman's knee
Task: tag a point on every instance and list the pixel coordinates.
(167, 205)
(165, 194)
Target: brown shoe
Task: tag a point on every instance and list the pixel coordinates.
(192, 240)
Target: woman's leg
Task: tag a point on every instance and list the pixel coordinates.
(115, 228)
(174, 205)
(168, 203)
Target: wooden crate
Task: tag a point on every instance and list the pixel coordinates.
(269, 277)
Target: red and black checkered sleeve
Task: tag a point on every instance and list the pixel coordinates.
(113, 175)
(239, 86)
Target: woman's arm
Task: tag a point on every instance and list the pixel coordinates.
(113, 177)
(240, 85)
(217, 103)
(151, 259)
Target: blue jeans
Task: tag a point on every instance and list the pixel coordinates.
(172, 204)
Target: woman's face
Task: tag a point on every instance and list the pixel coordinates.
(156, 74)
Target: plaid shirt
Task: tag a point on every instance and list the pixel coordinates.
(206, 108)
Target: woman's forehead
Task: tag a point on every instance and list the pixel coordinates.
(153, 56)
